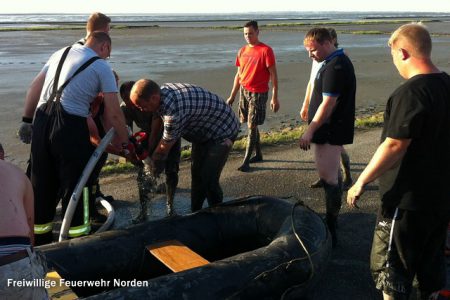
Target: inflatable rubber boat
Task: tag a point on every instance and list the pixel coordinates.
(251, 248)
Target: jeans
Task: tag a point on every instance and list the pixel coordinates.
(208, 160)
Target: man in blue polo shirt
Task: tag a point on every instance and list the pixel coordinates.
(331, 116)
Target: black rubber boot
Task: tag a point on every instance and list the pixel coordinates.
(95, 217)
(145, 184)
(251, 141)
(99, 193)
(316, 184)
(333, 198)
(258, 154)
(332, 224)
(345, 167)
(171, 186)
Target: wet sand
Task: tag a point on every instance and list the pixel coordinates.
(205, 57)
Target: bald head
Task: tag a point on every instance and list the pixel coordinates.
(414, 38)
(145, 88)
(145, 95)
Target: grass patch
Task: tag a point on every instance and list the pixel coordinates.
(368, 32)
(371, 121)
(334, 23)
(283, 137)
(186, 153)
(118, 167)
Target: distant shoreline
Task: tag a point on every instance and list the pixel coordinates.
(284, 24)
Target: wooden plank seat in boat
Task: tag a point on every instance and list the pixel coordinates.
(176, 256)
(59, 291)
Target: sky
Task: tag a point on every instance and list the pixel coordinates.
(218, 6)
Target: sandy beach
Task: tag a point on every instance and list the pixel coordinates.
(205, 56)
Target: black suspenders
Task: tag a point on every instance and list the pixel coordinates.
(56, 93)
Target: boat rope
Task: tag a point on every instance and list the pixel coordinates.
(308, 255)
(264, 275)
(299, 202)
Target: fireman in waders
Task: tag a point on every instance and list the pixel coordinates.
(60, 147)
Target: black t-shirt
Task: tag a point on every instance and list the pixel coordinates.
(142, 119)
(335, 78)
(419, 110)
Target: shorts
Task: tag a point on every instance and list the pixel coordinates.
(330, 134)
(409, 244)
(28, 269)
(252, 107)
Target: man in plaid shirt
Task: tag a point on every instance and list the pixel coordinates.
(198, 116)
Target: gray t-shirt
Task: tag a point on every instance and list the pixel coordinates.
(85, 86)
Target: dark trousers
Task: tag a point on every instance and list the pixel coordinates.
(60, 150)
(208, 160)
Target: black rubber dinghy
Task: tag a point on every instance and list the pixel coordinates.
(258, 248)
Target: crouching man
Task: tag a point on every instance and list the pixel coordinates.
(199, 116)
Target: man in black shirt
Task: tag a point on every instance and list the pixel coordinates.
(331, 116)
(413, 164)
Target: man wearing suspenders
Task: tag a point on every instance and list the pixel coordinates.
(60, 145)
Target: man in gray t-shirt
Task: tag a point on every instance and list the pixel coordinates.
(60, 147)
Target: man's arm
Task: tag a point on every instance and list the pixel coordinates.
(33, 95)
(113, 117)
(386, 156)
(305, 106)
(94, 137)
(322, 114)
(162, 150)
(274, 103)
(156, 128)
(235, 89)
(31, 100)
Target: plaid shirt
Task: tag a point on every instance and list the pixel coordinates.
(195, 114)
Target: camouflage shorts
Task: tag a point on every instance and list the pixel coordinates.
(252, 107)
(408, 245)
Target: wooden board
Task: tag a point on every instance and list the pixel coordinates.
(59, 291)
(176, 256)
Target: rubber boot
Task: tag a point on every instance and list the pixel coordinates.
(316, 184)
(144, 183)
(95, 217)
(43, 239)
(99, 193)
(171, 186)
(251, 141)
(333, 198)
(345, 167)
(258, 154)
